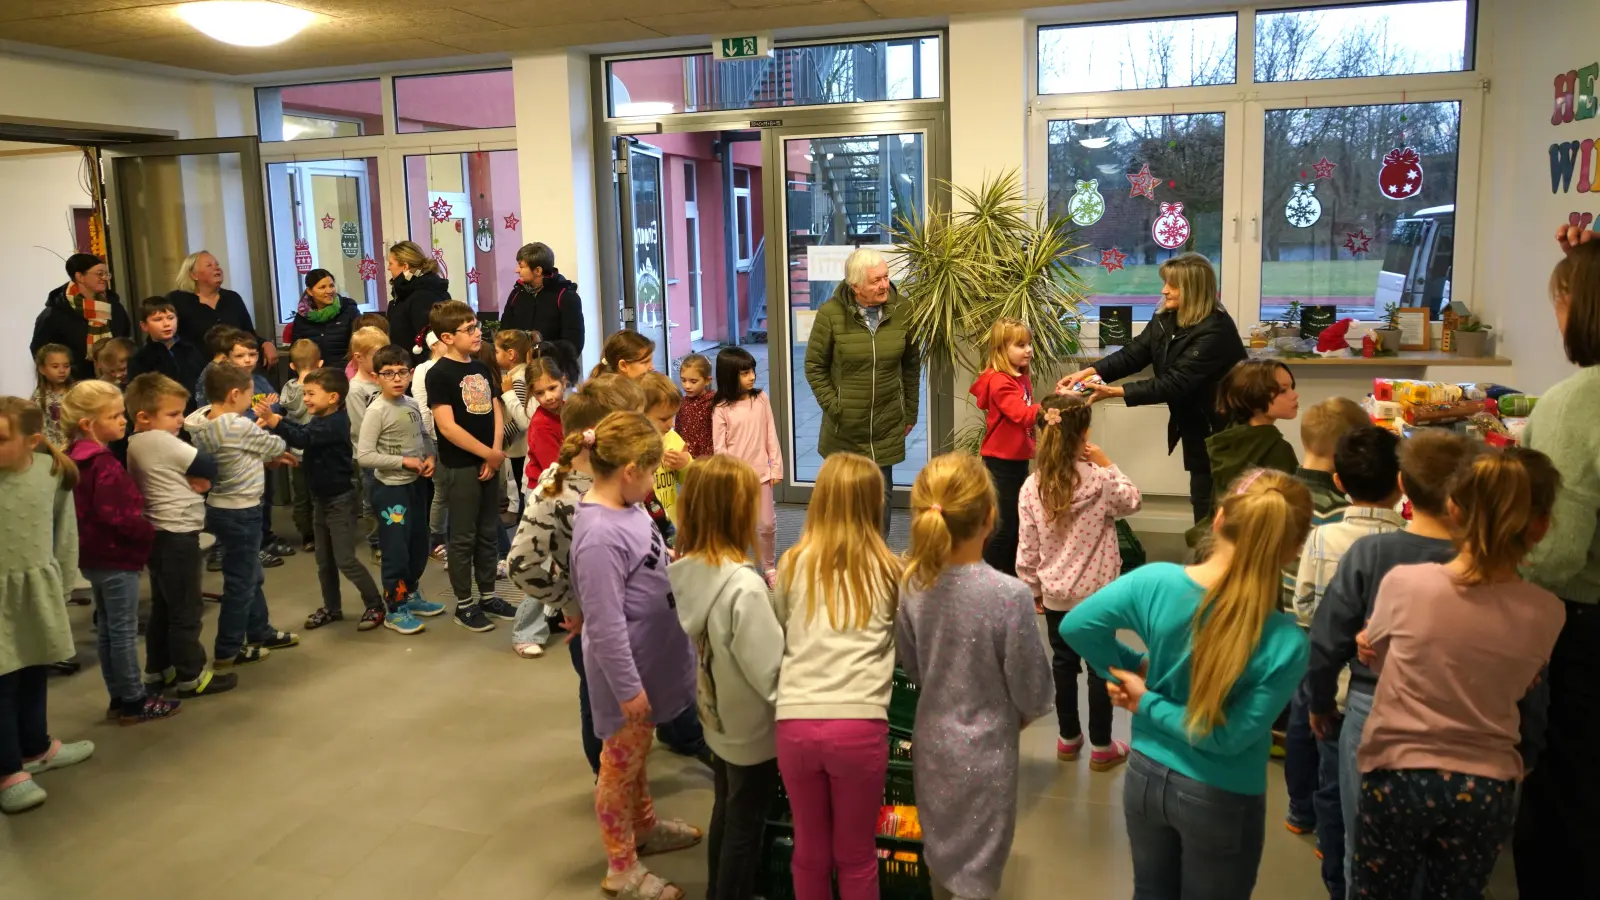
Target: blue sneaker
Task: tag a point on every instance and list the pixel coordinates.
(419, 605)
(403, 621)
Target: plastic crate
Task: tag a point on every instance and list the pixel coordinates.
(903, 697)
(898, 790)
(1128, 545)
(899, 746)
(902, 871)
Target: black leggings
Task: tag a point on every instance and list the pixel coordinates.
(1064, 665)
(1008, 475)
(24, 733)
(1447, 826)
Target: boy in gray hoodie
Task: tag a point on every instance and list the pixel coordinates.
(723, 605)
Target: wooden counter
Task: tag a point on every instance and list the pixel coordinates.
(1407, 359)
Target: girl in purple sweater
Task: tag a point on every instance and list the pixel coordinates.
(638, 662)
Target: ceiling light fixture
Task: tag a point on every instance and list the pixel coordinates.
(1095, 143)
(246, 23)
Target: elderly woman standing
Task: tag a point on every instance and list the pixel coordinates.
(202, 302)
(863, 368)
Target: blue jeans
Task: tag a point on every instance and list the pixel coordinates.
(1300, 762)
(402, 512)
(116, 606)
(1330, 817)
(243, 618)
(1190, 840)
(1357, 707)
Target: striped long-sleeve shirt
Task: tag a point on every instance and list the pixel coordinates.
(241, 448)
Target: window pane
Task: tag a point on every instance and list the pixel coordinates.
(1097, 168)
(325, 215)
(454, 101)
(904, 69)
(465, 207)
(1356, 41)
(305, 111)
(1359, 207)
(1129, 56)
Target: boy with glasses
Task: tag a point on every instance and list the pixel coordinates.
(470, 421)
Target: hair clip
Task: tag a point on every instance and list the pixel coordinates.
(603, 361)
(1249, 480)
(1052, 416)
(588, 437)
(936, 508)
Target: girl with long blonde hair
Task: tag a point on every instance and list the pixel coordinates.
(836, 595)
(1222, 663)
(1004, 391)
(966, 634)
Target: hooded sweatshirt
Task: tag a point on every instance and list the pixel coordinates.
(112, 530)
(1236, 450)
(1008, 403)
(1067, 558)
(728, 615)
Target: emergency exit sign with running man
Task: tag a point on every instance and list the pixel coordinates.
(743, 46)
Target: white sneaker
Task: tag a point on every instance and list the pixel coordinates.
(529, 651)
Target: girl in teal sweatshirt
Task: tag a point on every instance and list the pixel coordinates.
(1222, 663)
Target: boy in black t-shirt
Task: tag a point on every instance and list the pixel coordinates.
(467, 413)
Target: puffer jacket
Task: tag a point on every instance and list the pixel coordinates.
(867, 384)
(412, 303)
(332, 336)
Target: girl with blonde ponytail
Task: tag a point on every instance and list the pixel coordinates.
(1222, 663)
(974, 704)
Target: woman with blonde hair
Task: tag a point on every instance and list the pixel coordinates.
(202, 303)
(416, 285)
(1190, 342)
(1222, 662)
(836, 597)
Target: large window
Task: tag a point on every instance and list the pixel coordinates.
(1362, 41)
(303, 112)
(1130, 56)
(325, 215)
(454, 101)
(460, 208)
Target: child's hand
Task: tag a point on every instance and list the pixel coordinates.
(1094, 454)
(1324, 725)
(677, 459)
(1127, 690)
(637, 709)
(412, 463)
(197, 484)
(270, 400)
(573, 623)
(1364, 651)
(284, 459)
(507, 383)
(427, 468)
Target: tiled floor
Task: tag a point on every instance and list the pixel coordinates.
(436, 766)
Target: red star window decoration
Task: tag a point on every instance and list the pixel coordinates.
(438, 257)
(327, 222)
(1112, 259)
(472, 275)
(512, 221)
(368, 269)
(439, 210)
(1357, 241)
(1142, 184)
(1324, 168)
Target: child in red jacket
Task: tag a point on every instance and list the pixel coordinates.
(1005, 392)
(114, 541)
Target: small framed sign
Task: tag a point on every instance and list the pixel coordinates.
(1316, 319)
(1413, 322)
(1116, 326)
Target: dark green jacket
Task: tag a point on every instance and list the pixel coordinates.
(867, 384)
(1235, 450)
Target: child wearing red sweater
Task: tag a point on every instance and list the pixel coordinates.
(547, 387)
(1004, 391)
(114, 541)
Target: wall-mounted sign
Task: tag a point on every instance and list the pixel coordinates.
(742, 46)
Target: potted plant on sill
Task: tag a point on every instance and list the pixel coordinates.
(1000, 256)
(1387, 336)
(1288, 326)
(1471, 337)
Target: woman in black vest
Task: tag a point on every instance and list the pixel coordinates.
(202, 302)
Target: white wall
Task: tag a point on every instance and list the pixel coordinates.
(37, 237)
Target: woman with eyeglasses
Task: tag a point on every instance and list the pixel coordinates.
(415, 285)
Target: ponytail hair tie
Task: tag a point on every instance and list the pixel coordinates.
(588, 437)
(934, 507)
(1052, 416)
(603, 361)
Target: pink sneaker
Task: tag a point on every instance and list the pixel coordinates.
(1109, 758)
(1067, 751)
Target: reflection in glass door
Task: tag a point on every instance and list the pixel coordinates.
(649, 283)
(841, 193)
(463, 208)
(325, 216)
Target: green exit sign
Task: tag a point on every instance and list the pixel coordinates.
(742, 46)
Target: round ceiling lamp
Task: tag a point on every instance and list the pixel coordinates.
(246, 23)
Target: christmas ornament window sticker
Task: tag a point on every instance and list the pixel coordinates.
(1303, 209)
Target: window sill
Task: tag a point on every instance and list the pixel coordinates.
(1408, 359)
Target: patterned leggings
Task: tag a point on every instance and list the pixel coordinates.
(622, 794)
(1446, 826)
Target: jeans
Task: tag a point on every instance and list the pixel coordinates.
(300, 494)
(438, 514)
(1558, 830)
(1008, 475)
(1064, 666)
(24, 732)
(402, 536)
(1357, 707)
(1197, 461)
(742, 796)
(267, 536)
(1446, 827)
(116, 607)
(530, 626)
(1188, 839)
(334, 521)
(591, 743)
(474, 528)
(1300, 762)
(1330, 817)
(172, 637)
(833, 770)
(243, 618)
(888, 496)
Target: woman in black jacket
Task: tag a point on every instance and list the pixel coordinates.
(544, 301)
(81, 313)
(415, 285)
(324, 316)
(202, 302)
(1191, 342)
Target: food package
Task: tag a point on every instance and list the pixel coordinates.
(900, 822)
(1385, 409)
(1440, 413)
(1516, 404)
(1515, 426)
(1427, 392)
(1383, 388)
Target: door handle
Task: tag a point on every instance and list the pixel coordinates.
(1255, 227)
(1236, 229)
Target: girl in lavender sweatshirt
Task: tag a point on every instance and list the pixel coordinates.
(638, 662)
(742, 424)
(1067, 550)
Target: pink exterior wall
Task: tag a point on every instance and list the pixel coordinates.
(652, 80)
(432, 103)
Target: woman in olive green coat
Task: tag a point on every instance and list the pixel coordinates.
(864, 372)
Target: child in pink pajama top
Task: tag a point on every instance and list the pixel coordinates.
(742, 425)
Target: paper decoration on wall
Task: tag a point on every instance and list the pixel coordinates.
(349, 240)
(1576, 220)
(1401, 174)
(438, 257)
(1170, 230)
(1357, 241)
(302, 256)
(368, 269)
(1324, 169)
(1142, 184)
(439, 210)
(1303, 209)
(1087, 204)
(483, 235)
(1316, 319)
(472, 275)
(1112, 259)
(512, 221)
(1116, 325)
(327, 222)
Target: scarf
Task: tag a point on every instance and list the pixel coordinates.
(96, 311)
(320, 314)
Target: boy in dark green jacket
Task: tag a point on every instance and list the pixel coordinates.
(1255, 394)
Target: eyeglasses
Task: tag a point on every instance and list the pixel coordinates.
(394, 374)
(474, 328)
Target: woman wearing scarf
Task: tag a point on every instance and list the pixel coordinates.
(324, 316)
(81, 313)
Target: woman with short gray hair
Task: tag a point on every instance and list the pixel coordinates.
(202, 302)
(863, 368)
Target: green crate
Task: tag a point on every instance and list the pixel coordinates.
(898, 790)
(898, 879)
(899, 745)
(903, 698)
(1128, 545)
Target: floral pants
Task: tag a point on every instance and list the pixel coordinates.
(1445, 826)
(622, 794)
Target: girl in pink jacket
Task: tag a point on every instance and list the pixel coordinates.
(742, 425)
(1066, 550)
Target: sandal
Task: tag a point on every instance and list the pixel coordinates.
(642, 884)
(669, 836)
(323, 617)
